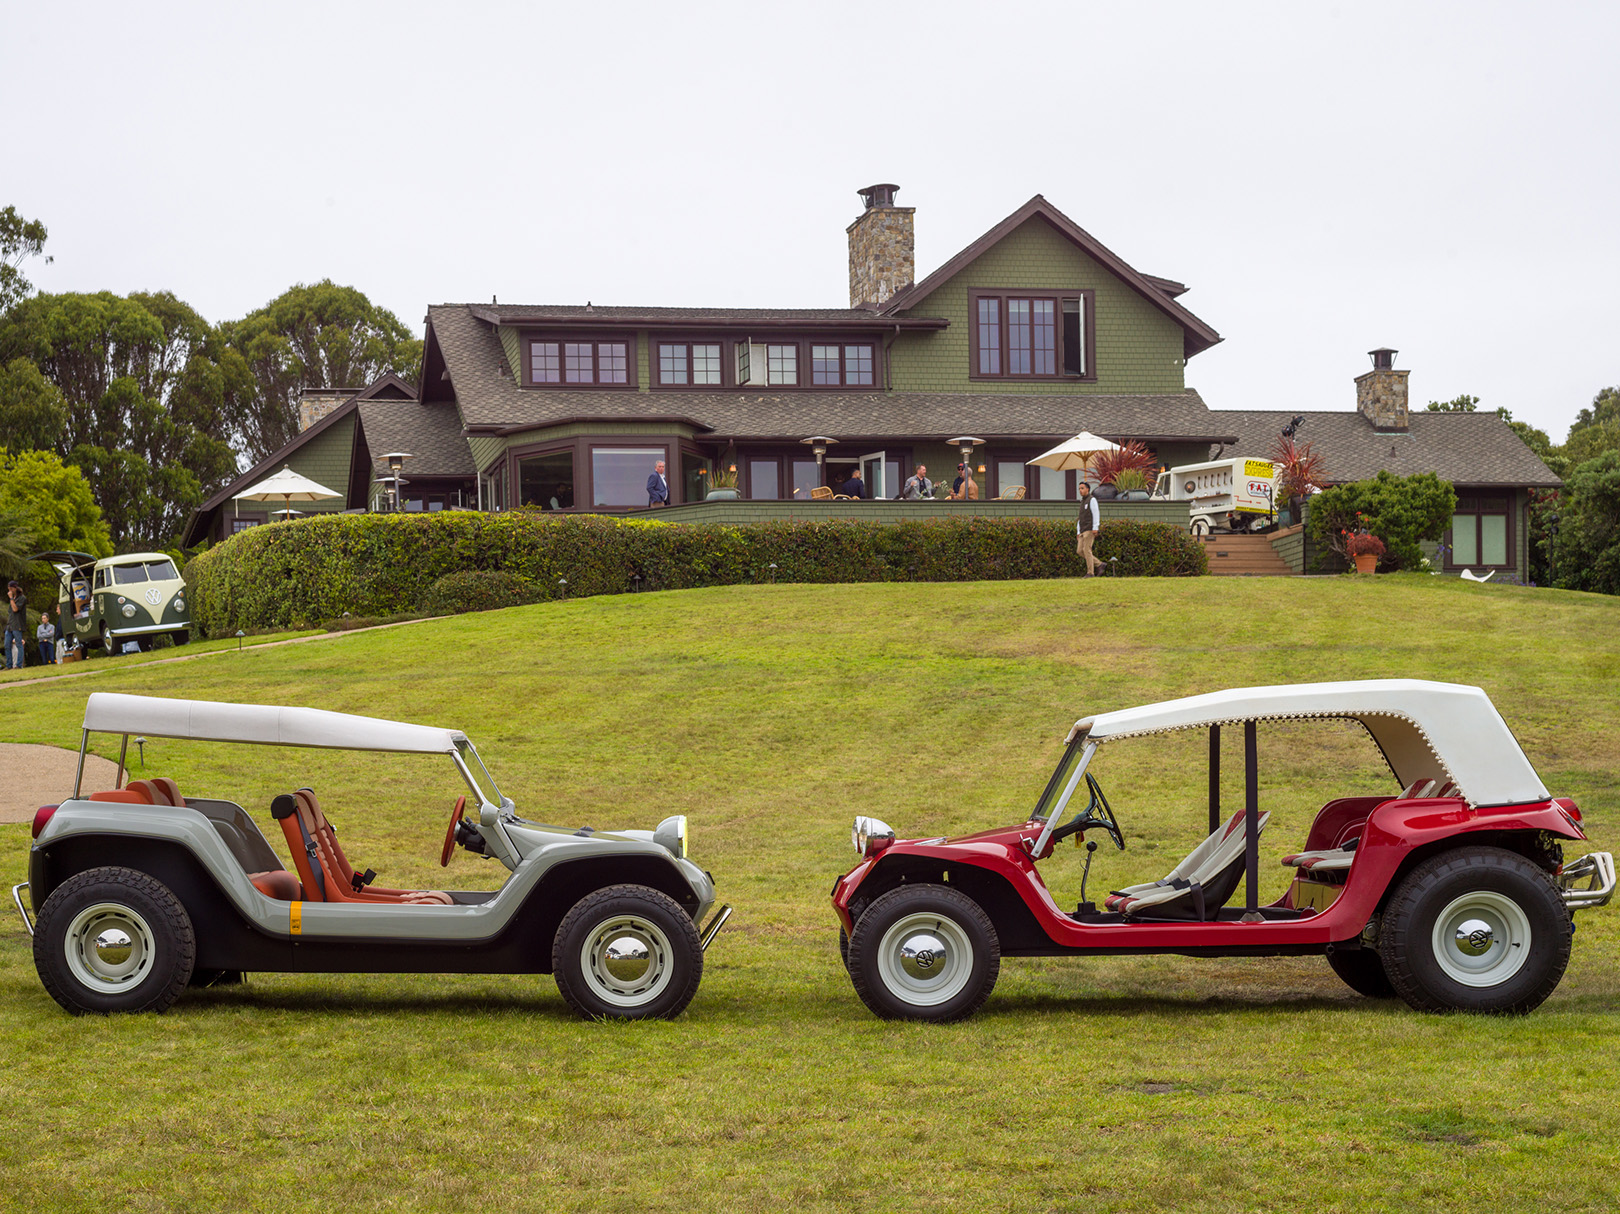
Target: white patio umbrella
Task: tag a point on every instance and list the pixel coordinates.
(1074, 454)
(289, 486)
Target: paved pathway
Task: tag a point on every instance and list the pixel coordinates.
(31, 776)
(104, 665)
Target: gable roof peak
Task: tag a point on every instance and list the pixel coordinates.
(1197, 335)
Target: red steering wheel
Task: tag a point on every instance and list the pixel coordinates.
(450, 835)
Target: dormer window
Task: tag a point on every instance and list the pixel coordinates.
(847, 365)
(579, 362)
(695, 363)
(1019, 335)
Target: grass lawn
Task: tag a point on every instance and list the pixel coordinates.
(770, 715)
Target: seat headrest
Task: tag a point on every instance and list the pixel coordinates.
(284, 806)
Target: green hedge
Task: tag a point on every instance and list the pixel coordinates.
(300, 573)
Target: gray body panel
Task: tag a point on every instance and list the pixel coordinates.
(195, 830)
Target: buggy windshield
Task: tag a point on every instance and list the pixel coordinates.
(1064, 780)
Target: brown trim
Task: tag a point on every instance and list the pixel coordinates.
(582, 419)
(734, 323)
(1088, 313)
(1196, 335)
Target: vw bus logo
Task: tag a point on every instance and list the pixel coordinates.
(154, 596)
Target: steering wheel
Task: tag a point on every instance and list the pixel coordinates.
(1089, 818)
(450, 835)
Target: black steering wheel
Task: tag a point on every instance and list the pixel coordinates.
(1089, 818)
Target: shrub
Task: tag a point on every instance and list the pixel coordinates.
(1588, 542)
(476, 590)
(379, 564)
(1400, 509)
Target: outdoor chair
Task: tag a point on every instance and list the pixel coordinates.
(821, 493)
(1014, 493)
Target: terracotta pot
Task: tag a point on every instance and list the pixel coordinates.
(1366, 562)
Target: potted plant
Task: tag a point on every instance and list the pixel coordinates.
(723, 484)
(1109, 466)
(1300, 471)
(1132, 484)
(1364, 549)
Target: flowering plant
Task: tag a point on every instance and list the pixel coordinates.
(1361, 543)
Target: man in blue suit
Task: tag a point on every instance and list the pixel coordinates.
(657, 487)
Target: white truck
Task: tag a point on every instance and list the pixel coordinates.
(1224, 494)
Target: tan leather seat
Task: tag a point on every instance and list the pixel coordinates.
(326, 872)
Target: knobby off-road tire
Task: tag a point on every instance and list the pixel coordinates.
(1478, 929)
(629, 953)
(114, 940)
(1362, 970)
(924, 952)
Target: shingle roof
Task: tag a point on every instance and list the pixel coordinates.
(1464, 448)
(528, 314)
(431, 433)
(490, 399)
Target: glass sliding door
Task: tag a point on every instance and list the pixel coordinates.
(619, 474)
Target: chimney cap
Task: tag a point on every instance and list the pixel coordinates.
(1383, 358)
(881, 195)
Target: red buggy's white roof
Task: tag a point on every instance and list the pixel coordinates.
(1433, 731)
(111, 712)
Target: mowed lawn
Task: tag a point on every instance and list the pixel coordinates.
(770, 715)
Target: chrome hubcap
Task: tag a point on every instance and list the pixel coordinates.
(626, 960)
(109, 947)
(1482, 939)
(925, 959)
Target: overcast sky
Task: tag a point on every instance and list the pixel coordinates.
(1441, 178)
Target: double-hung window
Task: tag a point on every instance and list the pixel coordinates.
(844, 364)
(696, 363)
(1019, 335)
(579, 362)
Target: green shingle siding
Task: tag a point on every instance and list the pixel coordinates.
(1138, 347)
(514, 351)
(325, 459)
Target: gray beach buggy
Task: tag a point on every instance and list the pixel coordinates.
(141, 890)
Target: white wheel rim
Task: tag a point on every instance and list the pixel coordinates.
(626, 961)
(1482, 939)
(109, 948)
(925, 959)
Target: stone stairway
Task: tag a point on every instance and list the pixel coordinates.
(1244, 556)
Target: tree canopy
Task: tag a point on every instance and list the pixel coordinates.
(20, 239)
(319, 336)
(45, 505)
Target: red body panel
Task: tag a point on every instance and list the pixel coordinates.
(1389, 829)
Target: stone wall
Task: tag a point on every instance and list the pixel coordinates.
(882, 254)
(1381, 398)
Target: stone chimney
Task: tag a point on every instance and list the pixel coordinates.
(316, 403)
(882, 249)
(1381, 393)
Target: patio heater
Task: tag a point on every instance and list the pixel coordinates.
(819, 444)
(966, 443)
(395, 461)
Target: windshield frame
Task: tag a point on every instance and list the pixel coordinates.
(1085, 747)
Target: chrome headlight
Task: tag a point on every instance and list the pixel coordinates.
(129, 611)
(179, 604)
(671, 836)
(870, 835)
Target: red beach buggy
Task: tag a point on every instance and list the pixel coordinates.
(1452, 892)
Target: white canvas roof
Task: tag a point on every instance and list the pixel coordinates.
(111, 712)
(1437, 731)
